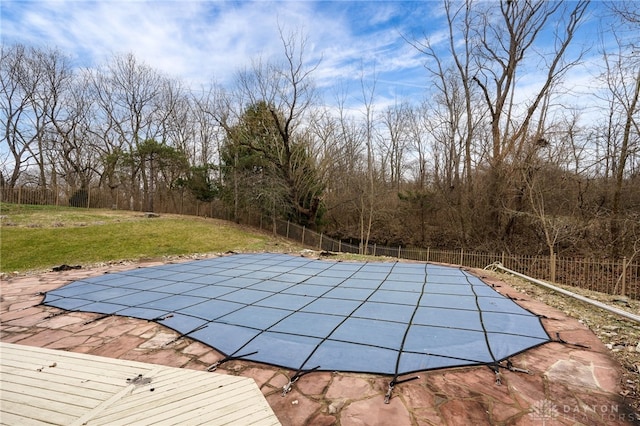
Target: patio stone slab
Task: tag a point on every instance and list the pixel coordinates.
(582, 385)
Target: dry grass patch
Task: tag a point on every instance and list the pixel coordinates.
(40, 238)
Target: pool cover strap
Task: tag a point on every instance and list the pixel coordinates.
(301, 372)
(181, 335)
(395, 381)
(508, 365)
(287, 388)
(215, 365)
(564, 342)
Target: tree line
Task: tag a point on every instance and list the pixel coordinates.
(488, 160)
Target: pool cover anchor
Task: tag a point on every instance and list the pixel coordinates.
(509, 366)
(287, 388)
(393, 383)
(215, 365)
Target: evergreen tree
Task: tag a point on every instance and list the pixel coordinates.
(268, 170)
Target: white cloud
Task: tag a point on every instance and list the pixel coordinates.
(197, 40)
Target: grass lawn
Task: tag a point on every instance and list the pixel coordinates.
(41, 237)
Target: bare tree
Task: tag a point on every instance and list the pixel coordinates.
(551, 194)
(503, 46)
(418, 195)
(175, 111)
(627, 11)
(622, 79)
(17, 131)
(74, 152)
(491, 45)
(456, 116)
(129, 97)
(345, 174)
(394, 140)
(36, 84)
(454, 83)
(367, 199)
(209, 134)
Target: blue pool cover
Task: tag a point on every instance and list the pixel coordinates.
(306, 314)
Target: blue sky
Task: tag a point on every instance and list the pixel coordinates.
(203, 40)
(198, 40)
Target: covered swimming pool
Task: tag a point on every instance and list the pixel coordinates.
(305, 314)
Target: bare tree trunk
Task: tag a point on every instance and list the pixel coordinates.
(625, 149)
(367, 200)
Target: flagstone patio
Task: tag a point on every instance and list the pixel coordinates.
(567, 384)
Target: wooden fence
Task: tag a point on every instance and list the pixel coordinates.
(616, 277)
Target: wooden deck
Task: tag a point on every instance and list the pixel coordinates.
(43, 386)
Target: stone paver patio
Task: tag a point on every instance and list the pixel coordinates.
(566, 385)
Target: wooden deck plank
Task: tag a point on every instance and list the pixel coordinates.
(114, 400)
(165, 399)
(258, 418)
(30, 412)
(231, 411)
(74, 366)
(52, 382)
(82, 381)
(7, 418)
(57, 387)
(205, 393)
(227, 404)
(63, 403)
(76, 370)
